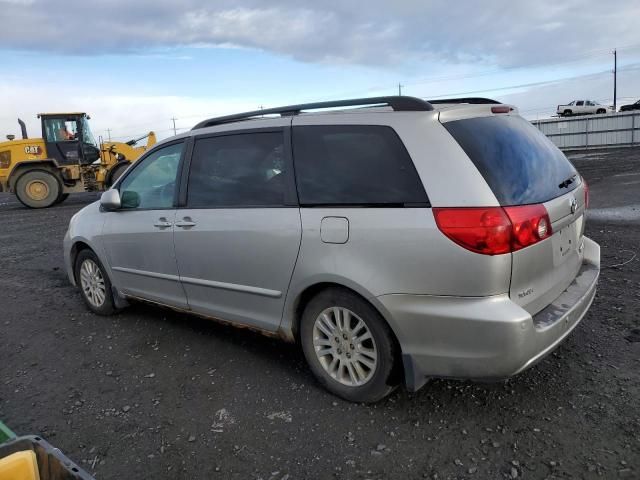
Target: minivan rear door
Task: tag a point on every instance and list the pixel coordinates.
(523, 167)
(237, 238)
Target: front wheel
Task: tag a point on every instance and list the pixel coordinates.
(567, 113)
(94, 283)
(601, 110)
(348, 346)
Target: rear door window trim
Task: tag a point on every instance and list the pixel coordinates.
(423, 204)
(291, 198)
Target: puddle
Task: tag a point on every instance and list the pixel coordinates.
(630, 213)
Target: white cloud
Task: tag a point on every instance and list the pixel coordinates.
(126, 116)
(377, 32)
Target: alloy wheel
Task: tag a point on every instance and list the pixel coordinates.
(92, 283)
(344, 346)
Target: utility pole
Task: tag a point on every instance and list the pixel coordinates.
(173, 119)
(400, 89)
(615, 79)
(109, 133)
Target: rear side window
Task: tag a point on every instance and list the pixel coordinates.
(520, 164)
(354, 165)
(237, 170)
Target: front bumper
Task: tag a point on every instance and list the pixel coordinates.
(68, 264)
(485, 337)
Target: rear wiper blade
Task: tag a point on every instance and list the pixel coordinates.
(567, 182)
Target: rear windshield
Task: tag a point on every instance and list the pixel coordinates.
(519, 163)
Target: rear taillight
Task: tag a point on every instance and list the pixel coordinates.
(530, 224)
(494, 230)
(481, 230)
(586, 193)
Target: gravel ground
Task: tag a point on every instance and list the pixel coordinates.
(151, 393)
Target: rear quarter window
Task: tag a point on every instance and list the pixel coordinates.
(520, 164)
(363, 165)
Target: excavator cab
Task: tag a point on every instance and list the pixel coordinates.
(68, 138)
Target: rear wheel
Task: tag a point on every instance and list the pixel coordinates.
(94, 284)
(62, 197)
(348, 346)
(38, 189)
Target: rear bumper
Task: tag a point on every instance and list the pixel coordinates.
(485, 337)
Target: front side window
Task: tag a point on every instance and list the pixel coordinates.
(245, 170)
(580, 103)
(151, 185)
(61, 130)
(359, 165)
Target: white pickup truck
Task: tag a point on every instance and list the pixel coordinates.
(582, 107)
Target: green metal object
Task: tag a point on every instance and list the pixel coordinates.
(6, 433)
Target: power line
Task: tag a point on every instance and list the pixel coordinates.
(535, 84)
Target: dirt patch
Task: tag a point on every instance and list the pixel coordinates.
(153, 394)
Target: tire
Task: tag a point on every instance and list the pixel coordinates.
(38, 189)
(360, 382)
(601, 110)
(117, 171)
(567, 113)
(62, 197)
(94, 284)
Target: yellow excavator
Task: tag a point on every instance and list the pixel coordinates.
(67, 159)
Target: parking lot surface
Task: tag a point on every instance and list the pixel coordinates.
(151, 393)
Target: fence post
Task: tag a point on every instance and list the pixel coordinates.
(586, 131)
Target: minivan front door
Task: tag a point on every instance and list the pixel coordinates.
(138, 238)
(238, 238)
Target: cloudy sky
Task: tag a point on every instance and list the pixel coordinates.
(135, 64)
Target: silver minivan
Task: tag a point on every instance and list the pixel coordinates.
(395, 239)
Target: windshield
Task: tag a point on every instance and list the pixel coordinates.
(87, 136)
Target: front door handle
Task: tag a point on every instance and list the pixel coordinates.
(162, 223)
(186, 222)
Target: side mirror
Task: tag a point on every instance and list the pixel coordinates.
(110, 200)
(130, 199)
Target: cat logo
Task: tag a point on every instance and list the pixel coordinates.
(32, 150)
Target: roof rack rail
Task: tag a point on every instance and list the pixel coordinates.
(398, 103)
(470, 100)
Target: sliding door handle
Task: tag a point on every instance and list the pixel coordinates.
(162, 223)
(186, 222)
